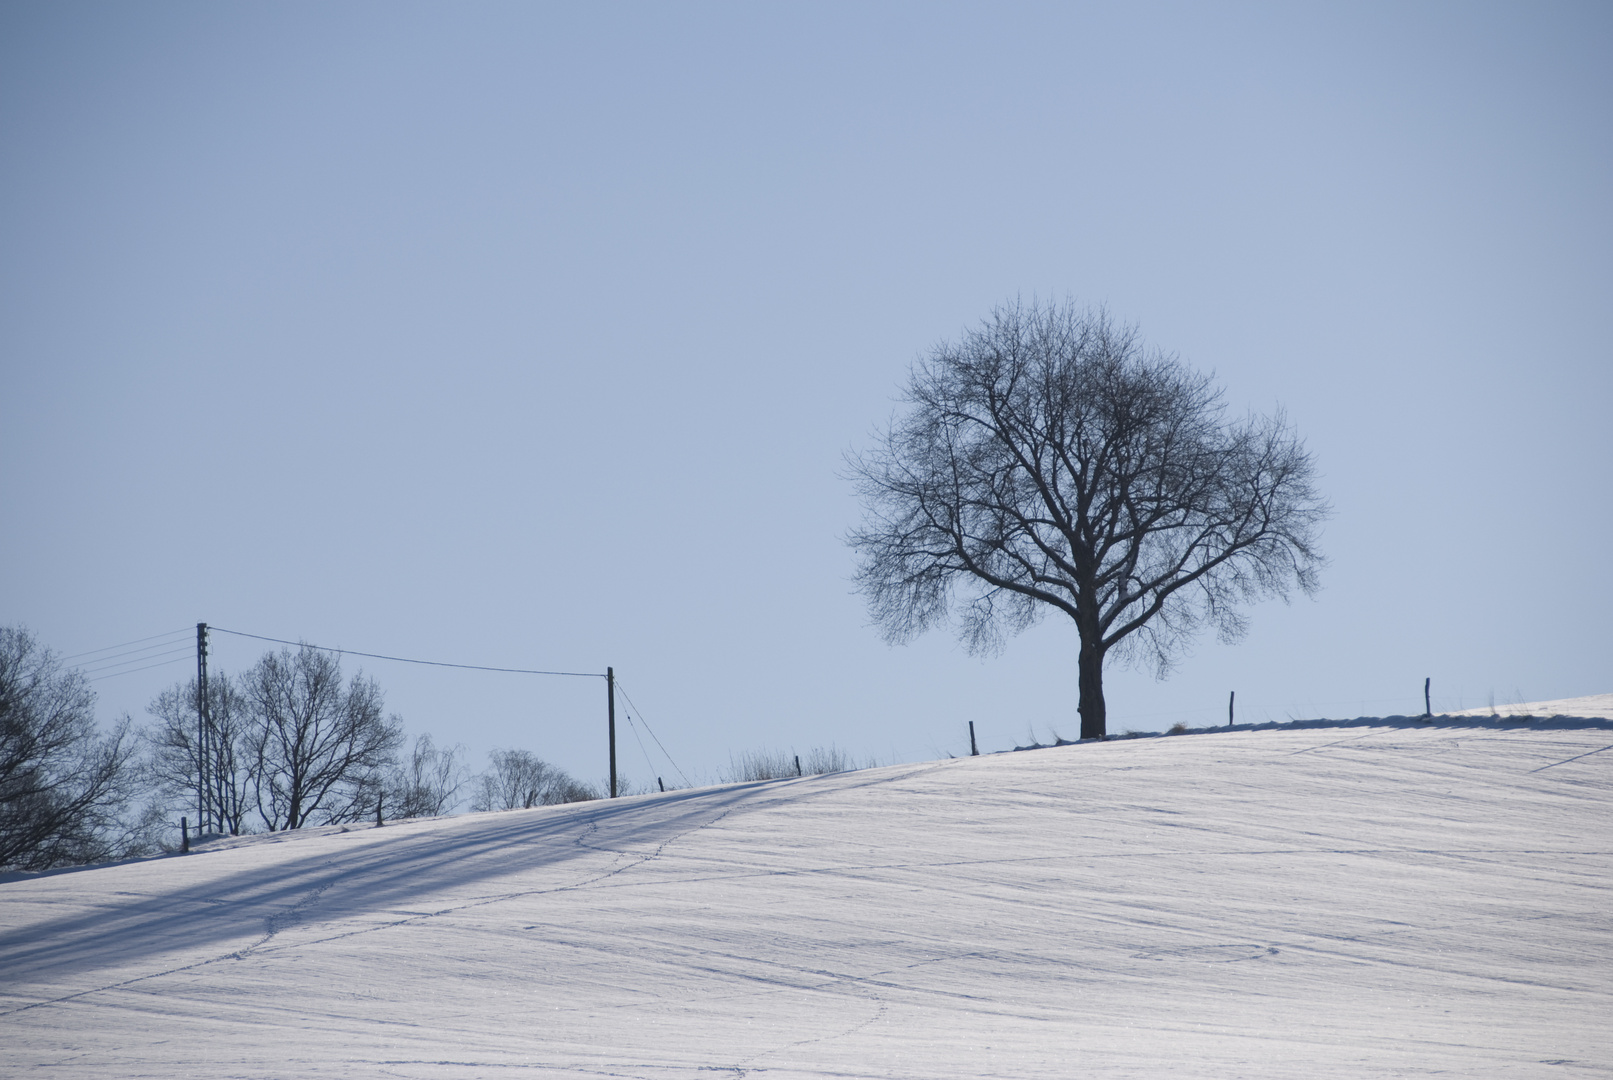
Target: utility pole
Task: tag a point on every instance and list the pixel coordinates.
(610, 705)
(204, 799)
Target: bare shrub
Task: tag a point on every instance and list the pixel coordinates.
(520, 780)
(758, 765)
(428, 783)
(773, 765)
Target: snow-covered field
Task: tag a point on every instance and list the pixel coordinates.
(1598, 705)
(1348, 902)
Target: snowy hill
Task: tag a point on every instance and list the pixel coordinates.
(1597, 705)
(1346, 902)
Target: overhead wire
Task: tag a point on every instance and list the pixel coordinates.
(131, 671)
(136, 657)
(139, 641)
(408, 660)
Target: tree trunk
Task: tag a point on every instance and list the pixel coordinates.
(1094, 715)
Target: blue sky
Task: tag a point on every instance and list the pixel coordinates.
(533, 336)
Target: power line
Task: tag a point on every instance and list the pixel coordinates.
(148, 667)
(131, 654)
(126, 644)
(407, 660)
(135, 657)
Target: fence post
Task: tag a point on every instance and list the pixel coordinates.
(184, 835)
(1232, 696)
(974, 750)
(1428, 707)
(379, 798)
(797, 764)
(660, 783)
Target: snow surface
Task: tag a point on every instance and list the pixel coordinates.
(1361, 902)
(1600, 705)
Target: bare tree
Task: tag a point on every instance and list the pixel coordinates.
(320, 751)
(63, 784)
(519, 779)
(1049, 460)
(428, 783)
(174, 752)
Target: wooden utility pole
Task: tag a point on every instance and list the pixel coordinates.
(610, 706)
(203, 750)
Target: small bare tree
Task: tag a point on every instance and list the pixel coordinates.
(428, 782)
(1049, 460)
(519, 779)
(320, 750)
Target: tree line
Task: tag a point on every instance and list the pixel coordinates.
(288, 744)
